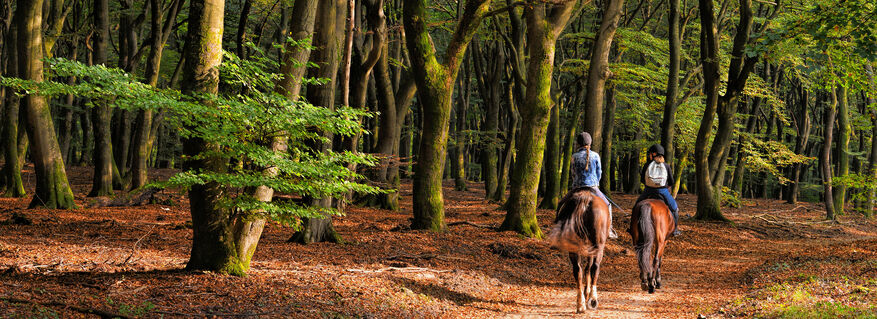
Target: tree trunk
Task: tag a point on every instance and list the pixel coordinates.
(544, 24)
(458, 149)
(511, 137)
(825, 159)
(219, 242)
(488, 72)
(598, 72)
(872, 193)
(668, 123)
(52, 189)
(803, 126)
(435, 82)
(708, 159)
(101, 113)
(552, 160)
(843, 149)
(325, 40)
(12, 168)
(609, 128)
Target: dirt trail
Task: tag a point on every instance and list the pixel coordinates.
(132, 259)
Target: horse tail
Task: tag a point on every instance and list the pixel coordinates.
(647, 238)
(570, 232)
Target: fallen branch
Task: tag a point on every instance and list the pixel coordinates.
(422, 256)
(471, 224)
(399, 269)
(97, 312)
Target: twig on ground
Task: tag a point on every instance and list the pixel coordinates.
(137, 244)
(471, 224)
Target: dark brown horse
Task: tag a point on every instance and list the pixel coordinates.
(650, 228)
(580, 229)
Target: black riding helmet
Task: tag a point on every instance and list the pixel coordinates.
(656, 148)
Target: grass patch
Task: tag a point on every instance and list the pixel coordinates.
(812, 288)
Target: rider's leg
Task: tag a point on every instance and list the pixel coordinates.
(612, 233)
(674, 207)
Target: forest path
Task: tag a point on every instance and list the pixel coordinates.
(111, 258)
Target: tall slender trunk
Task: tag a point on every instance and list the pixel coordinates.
(668, 123)
(52, 189)
(511, 136)
(609, 130)
(458, 149)
(872, 193)
(11, 129)
(101, 113)
(843, 148)
(825, 158)
(803, 125)
(598, 72)
(552, 160)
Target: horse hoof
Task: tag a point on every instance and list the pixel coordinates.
(658, 285)
(593, 304)
(651, 289)
(581, 309)
(644, 286)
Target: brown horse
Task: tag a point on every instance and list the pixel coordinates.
(650, 226)
(580, 229)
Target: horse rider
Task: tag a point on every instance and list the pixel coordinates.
(657, 177)
(587, 170)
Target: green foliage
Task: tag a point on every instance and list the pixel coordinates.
(769, 156)
(242, 127)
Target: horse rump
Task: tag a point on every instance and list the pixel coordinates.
(569, 233)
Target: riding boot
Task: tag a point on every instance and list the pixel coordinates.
(676, 231)
(612, 233)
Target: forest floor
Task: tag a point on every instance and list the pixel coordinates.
(773, 260)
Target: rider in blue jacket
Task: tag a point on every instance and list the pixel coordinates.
(587, 170)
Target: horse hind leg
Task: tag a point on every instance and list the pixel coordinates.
(578, 275)
(659, 258)
(594, 269)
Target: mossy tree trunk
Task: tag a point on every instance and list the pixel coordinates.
(52, 189)
(102, 183)
(11, 178)
(545, 22)
(219, 242)
(435, 83)
(552, 160)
